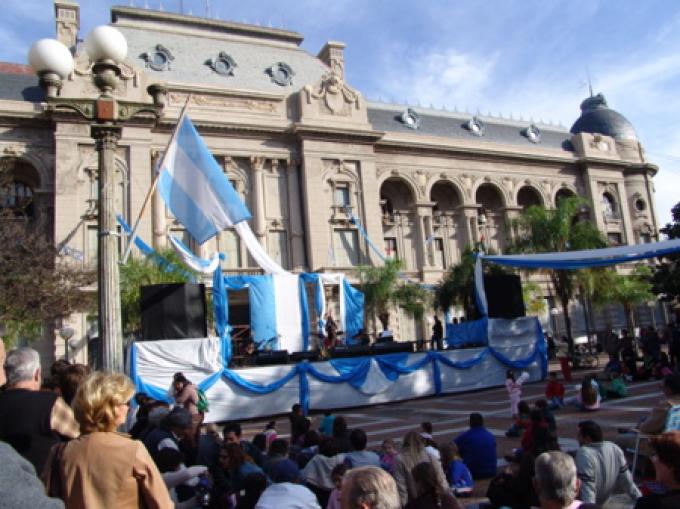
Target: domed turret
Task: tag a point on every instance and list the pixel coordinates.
(597, 117)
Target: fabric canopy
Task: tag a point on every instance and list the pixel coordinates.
(568, 260)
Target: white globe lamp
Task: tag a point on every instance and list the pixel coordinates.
(52, 62)
(105, 43)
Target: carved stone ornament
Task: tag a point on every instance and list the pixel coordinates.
(159, 58)
(410, 119)
(238, 103)
(222, 64)
(281, 74)
(475, 126)
(334, 94)
(532, 133)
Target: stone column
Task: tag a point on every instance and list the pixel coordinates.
(422, 235)
(297, 232)
(259, 223)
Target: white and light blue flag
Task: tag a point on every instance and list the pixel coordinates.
(195, 188)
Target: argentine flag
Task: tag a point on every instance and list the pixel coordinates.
(195, 188)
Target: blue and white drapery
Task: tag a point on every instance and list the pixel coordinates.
(572, 260)
(338, 383)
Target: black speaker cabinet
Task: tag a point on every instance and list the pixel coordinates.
(173, 311)
(392, 347)
(270, 358)
(504, 296)
(310, 355)
(350, 351)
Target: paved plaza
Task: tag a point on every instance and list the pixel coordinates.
(449, 416)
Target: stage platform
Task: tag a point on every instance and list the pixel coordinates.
(336, 383)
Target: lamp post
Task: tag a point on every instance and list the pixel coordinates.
(53, 63)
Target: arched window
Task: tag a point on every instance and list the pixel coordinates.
(18, 197)
(609, 209)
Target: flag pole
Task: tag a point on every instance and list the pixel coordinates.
(159, 167)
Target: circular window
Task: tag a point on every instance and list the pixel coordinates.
(159, 59)
(281, 74)
(640, 205)
(410, 119)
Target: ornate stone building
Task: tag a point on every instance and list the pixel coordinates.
(311, 156)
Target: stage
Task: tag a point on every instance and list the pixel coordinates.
(337, 383)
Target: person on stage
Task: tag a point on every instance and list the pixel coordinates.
(331, 332)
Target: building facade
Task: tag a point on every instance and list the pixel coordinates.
(321, 168)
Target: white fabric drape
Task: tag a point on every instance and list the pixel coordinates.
(256, 250)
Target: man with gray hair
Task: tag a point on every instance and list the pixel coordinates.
(32, 421)
(556, 483)
(369, 488)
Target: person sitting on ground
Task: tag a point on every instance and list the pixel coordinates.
(335, 499)
(554, 392)
(429, 492)
(232, 435)
(175, 473)
(326, 426)
(548, 416)
(601, 466)
(616, 388)
(317, 473)
(130, 477)
(614, 365)
(359, 456)
(234, 465)
(537, 424)
(556, 483)
(430, 445)
(31, 420)
(662, 367)
(667, 468)
(278, 451)
(341, 434)
(285, 492)
(477, 447)
(457, 473)
(521, 420)
(369, 488)
(388, 455)
(172, 432)
(310, 448)
(412, 453)
(588, 399)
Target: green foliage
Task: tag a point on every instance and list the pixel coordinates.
(383, 288)
(533, 298)
(629, 291)
(666, 277)
(141, 271)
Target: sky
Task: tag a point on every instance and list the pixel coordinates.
(514, 58)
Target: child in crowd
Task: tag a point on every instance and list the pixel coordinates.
(548, 417)
(335, 498)
(521, 420)
(270, 432)
(554, 392)
(616, 389)
(430, 445)
(457, 473)
(514, 387)
(388, 455)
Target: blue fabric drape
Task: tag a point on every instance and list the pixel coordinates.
(363, 233)
(304, 312)
(472, 332)
(354, 311)
(221, 314)
(262, 308)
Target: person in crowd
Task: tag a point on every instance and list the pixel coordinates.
(548, 416)
(555, 481)
(270, 432)
(278, 451)
(413, 452)
(53, 382)
(431, 447)
(429, 492)
(667, 467)
(662, 367)
(299, 423)
(537, 424)
(477, 446)
(616, 388)
(588, 399)
(341, 434)
(335, 498)
(31, 420)
(186, 396)
(232, 435)
(234, 465)
(674, 345)
(19, 485)
(310, 448)
(521, 421)
(253, 487)
(388, 455)
(260, 441)
(130, 478)
(326, 427)
(331, 329)
(554, 392)
(601, 466)
(171, 432)
(437, 333)
(629, 359)
(359, 456)
(369, 488)
(457, 473)
(175, 474)
(552, 347)
(302, 427)
(317, 473)
(140, 412)
(514, 387)
(208, 446)
(614, 365)
(70, 379)
(157, 412)
(285, 492)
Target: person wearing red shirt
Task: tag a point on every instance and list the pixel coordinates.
(554, 392)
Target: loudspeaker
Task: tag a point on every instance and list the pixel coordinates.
(173, 311)
(270, 358)
(350, 351)
(310, 355)
(504, 295)
(392, 347)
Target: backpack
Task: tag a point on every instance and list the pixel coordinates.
(203, 405)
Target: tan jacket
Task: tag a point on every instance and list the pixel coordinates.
(102, 470)
(406, 485)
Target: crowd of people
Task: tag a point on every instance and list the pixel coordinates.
(59, 442)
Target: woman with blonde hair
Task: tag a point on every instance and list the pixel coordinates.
(413, 453)
(103, 468)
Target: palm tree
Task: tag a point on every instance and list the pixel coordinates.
(629, 291)
(542, 230)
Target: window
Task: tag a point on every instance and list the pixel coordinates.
(609, 206)
(346, 248)
(614, 239)
(391, 248)
(17, 196)
(645, 238)
(229, 243)
(342, 195)
(278, 247)
(640, 205)
(439, 259)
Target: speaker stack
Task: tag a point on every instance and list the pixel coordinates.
(173, 311)
(504, 296)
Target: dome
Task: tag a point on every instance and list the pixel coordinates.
(597, 117)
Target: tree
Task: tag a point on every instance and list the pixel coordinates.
(629, 291)
(564, 228)
(666, 277)
(384, 288)
(164, 267)
(38, 284)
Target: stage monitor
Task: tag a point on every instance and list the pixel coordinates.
(504, 296)
(311, 356)
(271, 358)
(173, 311)
(392, 347)
(350, 351)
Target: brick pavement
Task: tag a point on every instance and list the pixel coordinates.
(449, 416)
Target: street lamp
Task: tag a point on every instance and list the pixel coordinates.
(53, 63)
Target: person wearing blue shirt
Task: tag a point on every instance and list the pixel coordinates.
(477, 447)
